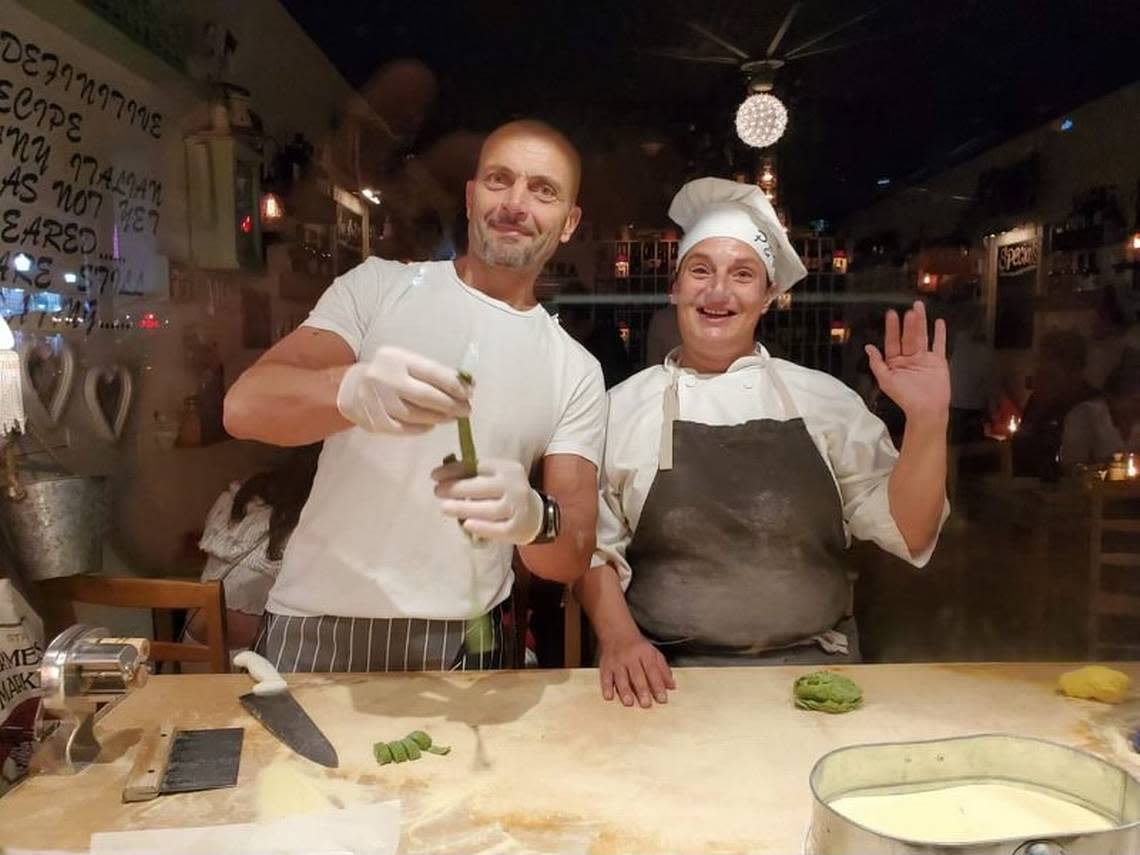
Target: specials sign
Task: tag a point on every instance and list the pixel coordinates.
(1017, 258)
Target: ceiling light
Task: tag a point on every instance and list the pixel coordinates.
(761, 120)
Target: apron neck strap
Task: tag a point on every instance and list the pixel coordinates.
(671, 407)
(791, 411)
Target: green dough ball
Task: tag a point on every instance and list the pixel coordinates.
(826, 691)
(421, 739)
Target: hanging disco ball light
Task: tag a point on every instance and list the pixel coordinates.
(761, 120)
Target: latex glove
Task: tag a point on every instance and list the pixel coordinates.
(398, 391)
(497, 503)
(632, 668)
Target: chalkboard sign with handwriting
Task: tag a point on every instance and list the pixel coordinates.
(82, 184)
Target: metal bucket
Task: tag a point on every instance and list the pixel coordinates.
(58, 528)
(904, 767)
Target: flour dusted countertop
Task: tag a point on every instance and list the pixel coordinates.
(723, 767)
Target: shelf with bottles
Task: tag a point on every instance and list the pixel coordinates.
(635, 258)
(1083, 238)
(1072, 271)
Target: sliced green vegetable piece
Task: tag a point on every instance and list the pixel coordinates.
(382, 753)
(399, 752)
(421, 739)
(439, 749)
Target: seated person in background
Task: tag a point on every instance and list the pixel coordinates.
(973, 381)
(245, 537)
(1058, 386)
(1097, 429)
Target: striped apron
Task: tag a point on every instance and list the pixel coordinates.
(328, 643)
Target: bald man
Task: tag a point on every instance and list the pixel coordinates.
(396, 557)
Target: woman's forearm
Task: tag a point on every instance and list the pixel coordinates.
(917, 486)
(603, 600)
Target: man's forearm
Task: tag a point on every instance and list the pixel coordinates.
(603, 600)
(917, 486)
(567, 558)
(285, 404)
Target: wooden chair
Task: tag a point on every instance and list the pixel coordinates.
(572, 630)
(1114, 583)
(59, 596)
(521, 605)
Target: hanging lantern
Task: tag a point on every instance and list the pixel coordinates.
(761, 120)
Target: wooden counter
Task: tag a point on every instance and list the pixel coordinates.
(722, 768)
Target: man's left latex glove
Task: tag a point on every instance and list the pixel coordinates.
(497, 503)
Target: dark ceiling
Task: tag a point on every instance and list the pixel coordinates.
(918, 83)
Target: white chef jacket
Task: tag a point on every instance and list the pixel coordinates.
(851, 439)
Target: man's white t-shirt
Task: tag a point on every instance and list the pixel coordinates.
(371, 541)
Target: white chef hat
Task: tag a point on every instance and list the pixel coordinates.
(716, 207)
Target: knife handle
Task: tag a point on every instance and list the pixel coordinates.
(267, 680)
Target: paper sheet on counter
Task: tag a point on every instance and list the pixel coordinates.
(360, 830)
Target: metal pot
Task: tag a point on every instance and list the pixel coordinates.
(901, 767)
(57, 528)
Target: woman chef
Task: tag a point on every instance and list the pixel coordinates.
(733, 481)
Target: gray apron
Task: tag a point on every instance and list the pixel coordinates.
(737, 557)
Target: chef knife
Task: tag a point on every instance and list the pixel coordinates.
(271, 704)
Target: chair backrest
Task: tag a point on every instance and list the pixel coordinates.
(59, 597)
(1114, 585)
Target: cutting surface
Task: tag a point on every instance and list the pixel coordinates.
(540, 761)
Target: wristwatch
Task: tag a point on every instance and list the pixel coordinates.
(551, 520)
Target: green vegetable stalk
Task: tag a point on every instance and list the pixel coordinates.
(478, 636)
(466, 440)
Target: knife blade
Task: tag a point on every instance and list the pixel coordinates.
(278, 711)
